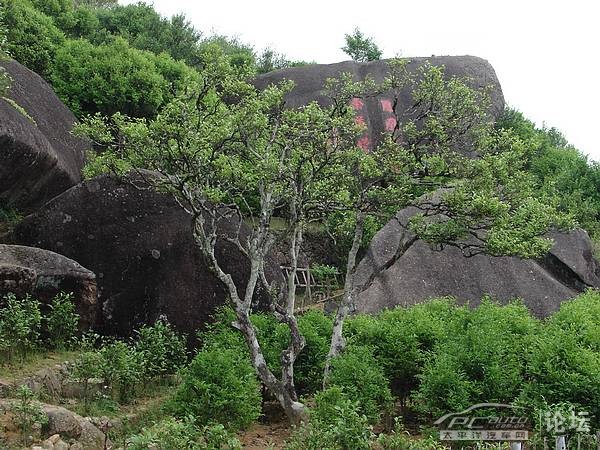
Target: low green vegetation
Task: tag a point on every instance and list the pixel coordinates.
(219, 385)
(424, 361)
(28, 412)
(27, 326)
(335, 423)
(20, 325)
(129, 368)
(20, 109)
(435, 358)
(168, 89)
(184, 433)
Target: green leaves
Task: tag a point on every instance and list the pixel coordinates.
(20, 321)
(219, 386)
(62, 321)
(361, 48)
(115, 77)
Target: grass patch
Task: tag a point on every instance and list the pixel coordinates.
(34, 362)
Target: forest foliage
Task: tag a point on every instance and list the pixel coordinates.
(139, 59)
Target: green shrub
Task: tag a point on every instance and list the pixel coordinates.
(563, 364)
(400, 439)
(115, 77)
(273, 337)
(171, 433)
(444, 386)
(62, 321)
(121, 369)
(20, 321)
(316, 328)
(162, 350)
(219, 386)
(335, 423)
(562, 171)
(481, 359)
(360, 376)
(324, 273)
(28, 411)
(32, 37)
(87, 366)
(145, 29)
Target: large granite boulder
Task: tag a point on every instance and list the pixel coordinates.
(422, 273)
(39, 157)
(43, 274)
(139, 243)
(376, 113)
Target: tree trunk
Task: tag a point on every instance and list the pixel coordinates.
(338, 343)
(283, 390)
(351, 290)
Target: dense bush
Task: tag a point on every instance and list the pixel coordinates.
(115, 77)
(482, 358)
(357, 373)
(145, 29)
(20, 321)
(402, 338)
(563, 364)
(562, 171)
(316, 328)
(162, 349)
(314, 325)
(171, 433)
(32, 37)
(219, 386)
(335, 423)
(61, 322)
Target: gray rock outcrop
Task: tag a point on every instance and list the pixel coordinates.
(139, 243)
(43, 274)
(39, 157)
(376, 112)
(422, 273)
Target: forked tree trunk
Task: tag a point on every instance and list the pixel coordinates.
(283, 390)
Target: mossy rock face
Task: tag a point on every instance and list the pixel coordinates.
(39, 157)
(376, 112)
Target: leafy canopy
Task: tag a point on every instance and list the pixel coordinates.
(360, 47)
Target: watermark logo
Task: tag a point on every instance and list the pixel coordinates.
(563, 419)
(485, 422)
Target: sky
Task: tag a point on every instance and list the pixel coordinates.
(545, 53)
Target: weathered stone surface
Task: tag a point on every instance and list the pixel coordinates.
(43, 274)
(67, 424)
(39, 157)
(423, 273)
(139, 243)
(376, 112)
(63, 425)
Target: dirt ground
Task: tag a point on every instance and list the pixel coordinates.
(270, 433)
